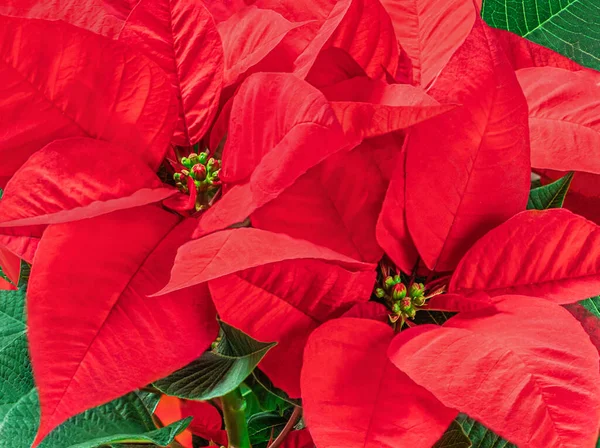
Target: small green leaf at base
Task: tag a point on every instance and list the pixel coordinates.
(551, 195)
(217, 372)
(454, 437)
(592, 305)
(480, 436)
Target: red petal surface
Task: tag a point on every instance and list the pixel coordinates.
(334, 204)
(10, 264)
(263, 155)
(92, 326)
(233, 250)
(181, 37)
(430, 31)
(105, 17)
(552, 254)
(468, 170)
(564, 118)
(207, 421)
(353, 396)
(60, 184)
(285, 302)
(531, 359)
(371, 108)
(105, 91)
(23, 246)
(248, 37)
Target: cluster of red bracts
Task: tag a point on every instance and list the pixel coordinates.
(350, 132)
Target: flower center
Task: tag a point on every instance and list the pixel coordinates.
(402, 301)
(199, 178)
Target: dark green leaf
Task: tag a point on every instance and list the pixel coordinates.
(19, 407)
(592, 305)
(480, 436)
(125, 420)
(269, 397)
(217, 372)
(569, 27)
(551, 195)
(454, 437)
(432, 317)
(263, 426)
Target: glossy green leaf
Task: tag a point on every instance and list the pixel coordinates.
(569, 27)
(592, 305)
(551, 195)
(263, 426)
(219, 371)
(19, 407)
(454, 437)
(480, 436)
(125, 420)
(269, 397)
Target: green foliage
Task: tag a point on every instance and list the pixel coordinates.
(592, 305)
(480, 436)
(269, 397)
(454, 437)
(551, 195)
(569, 27)
(264, 425)
(217, 372)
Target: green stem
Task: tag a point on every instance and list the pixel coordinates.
(235, 419)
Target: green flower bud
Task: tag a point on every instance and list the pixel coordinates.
(397, 278)
(202, 158)
(193, 158)
(186, 162)
(405, 304)
(177, 177)
(416, 290)
(380, 293)
(398, 291)
(185, 173)
(213, 164)
(396, 308)
(419, 301)
(389, 282)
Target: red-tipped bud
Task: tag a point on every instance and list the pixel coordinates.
(389, 282)
(199, 171)
(405, 304)
(398, 291)
(416, 290)
(213, 164)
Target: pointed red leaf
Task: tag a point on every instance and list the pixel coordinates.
(23, 246)
(552, 254)
(368, 310)
(430, 31)
(456, 302)
(6, 286)
(371, 108)
(564, 118)
(298, 439)
(10, 264)
(181, 37)
(354, 397)
(105, 17)
(527, 371)
(248, 37)
(523, 53)
(392, 231)
(284, 303)
(105, 91)
(367, 34)
(94, 334)
(332, 66)
(233, 250)
(263, 156)
(207, 421)
(78, 178)
(468, 170)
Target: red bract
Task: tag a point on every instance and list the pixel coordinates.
(105, 91)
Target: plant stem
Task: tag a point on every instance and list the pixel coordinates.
(235, 420)
(288, 427)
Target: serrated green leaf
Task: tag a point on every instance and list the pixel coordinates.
(480, 436)
(592, 305)
(19, 407)
(124, 420)
(217, 372)
(454, 437)
(569, 27)
(551, 195)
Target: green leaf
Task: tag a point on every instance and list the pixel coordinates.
(217, 372)
(269, 397)
(19, 407)
(454, 437)
(592, 305)
(569, 27)
(432, 317)
(124, 420)
(551, 195)
(264, 425)
(480, 436)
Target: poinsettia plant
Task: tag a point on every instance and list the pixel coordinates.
(327, 223)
